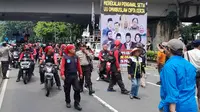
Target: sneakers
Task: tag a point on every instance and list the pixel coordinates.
(125, 92)
(98, 79)
(5, 77)
(17, 80)
(158, 83)
(78, 107)
(135, 97)
(111, 90)
(68, 105)
(131, 97)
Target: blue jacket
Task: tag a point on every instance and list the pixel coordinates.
(178, 85)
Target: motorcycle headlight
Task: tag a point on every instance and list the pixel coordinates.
(48, 69)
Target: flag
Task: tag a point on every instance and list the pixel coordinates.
(93, 15)
(87, 29)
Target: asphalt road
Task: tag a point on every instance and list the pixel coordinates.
(31, 97)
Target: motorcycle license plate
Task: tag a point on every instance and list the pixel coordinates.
(48, 74)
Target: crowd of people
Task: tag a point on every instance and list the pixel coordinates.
(178, 76)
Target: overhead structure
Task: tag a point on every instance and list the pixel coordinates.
(79, 11)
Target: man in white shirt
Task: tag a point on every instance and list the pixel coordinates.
(4, 57)
(193, 56)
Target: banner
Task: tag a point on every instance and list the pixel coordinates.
(125, 21)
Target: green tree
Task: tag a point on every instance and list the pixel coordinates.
(12, 27)
(65, 32)
(2, 31)
(188, 32)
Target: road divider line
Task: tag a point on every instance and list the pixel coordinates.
(103, 102)
(5, 82)
(152, 75)
(153, 84)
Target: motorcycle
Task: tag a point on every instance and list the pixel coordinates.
(25, 66)
(15, 59)
(107, 73)
(49, 77)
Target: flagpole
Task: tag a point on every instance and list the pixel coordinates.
(93, 20)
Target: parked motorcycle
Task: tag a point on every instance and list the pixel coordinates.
(25, 66)
(15, 59)
(106, 74)
(49, 77)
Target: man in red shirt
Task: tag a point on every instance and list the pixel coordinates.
(50, 57)
(63, 47)
(115, 69)
(103, 54)
(70, 64)
(26, 54)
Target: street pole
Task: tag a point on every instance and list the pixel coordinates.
(93, 20)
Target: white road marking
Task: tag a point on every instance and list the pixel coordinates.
(156, 75)
(153, 75)
(5, 82)
(153, 84)
(103, 102)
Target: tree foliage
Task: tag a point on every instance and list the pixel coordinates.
(13, 27)
(44, 31)
(64, 32)
(2, 31)
(188, 32)
(9, 28)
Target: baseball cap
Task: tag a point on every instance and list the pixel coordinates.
(175, 44)
(196, 42)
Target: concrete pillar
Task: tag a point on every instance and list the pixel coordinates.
(162, 34)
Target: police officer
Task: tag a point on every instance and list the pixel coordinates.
(50, 57)
(86, 64)
(70, 65)
(115, 69)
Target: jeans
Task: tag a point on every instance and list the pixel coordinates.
(135, 86)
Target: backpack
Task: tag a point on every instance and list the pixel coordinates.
(111, 57)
